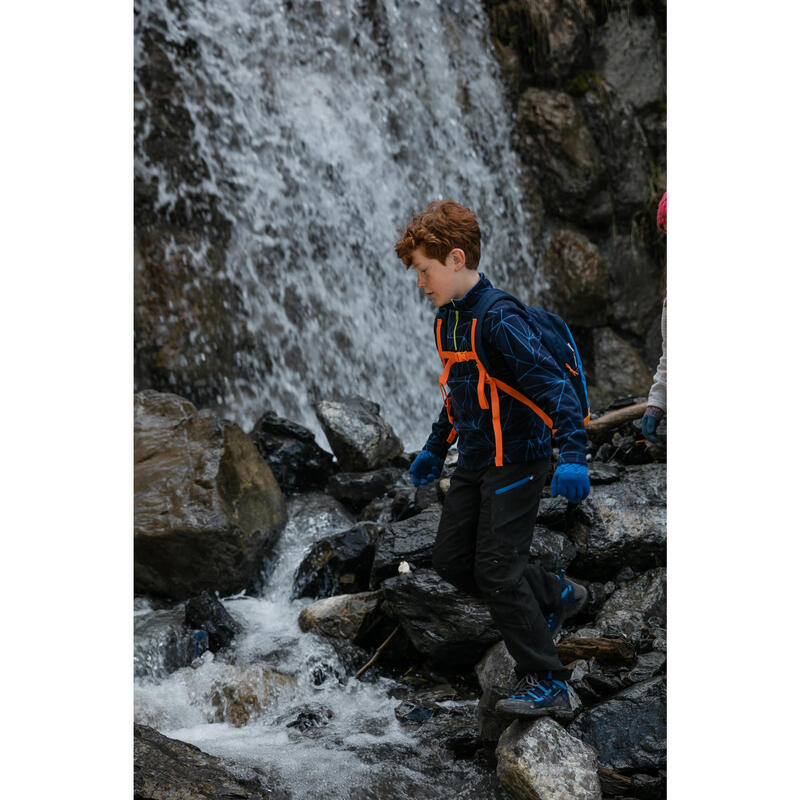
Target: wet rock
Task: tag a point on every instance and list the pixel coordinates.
(410, 540)
(240, 693)
(307, 717)
(576, 276)
(635, 604)
(296, 460)
(207, 509)
(628, 732)
(359, 437)
(594, 681)
(401, 502)
(162, 643)
(598, 593)
(554, 513)
(206, 613)
(554, 551)
(166, 769)
(629, 51)
(617, 367)
(356, 489)
(341, 616)
(622, 144)
(496, 677)
(563, 160)
(319, 512)
(338, 564)
(623, 523)
(440, 621)
(601, 474)
(542, 761)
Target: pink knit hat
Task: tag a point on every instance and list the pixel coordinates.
(661, 217)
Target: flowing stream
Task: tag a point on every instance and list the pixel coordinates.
(323, 126)
(362, 750)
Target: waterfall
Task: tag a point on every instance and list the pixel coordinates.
(322, 127)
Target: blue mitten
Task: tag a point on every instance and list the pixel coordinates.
(572, 481)
(425, 468)
(652, 416)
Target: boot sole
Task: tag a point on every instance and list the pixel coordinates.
(527, 711)
(570, 611)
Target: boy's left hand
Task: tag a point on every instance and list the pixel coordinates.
(571, 481)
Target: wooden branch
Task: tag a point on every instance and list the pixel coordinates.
(377, 653)
(614, 418)
(605, 650)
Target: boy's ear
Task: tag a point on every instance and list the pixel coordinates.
(457, 258)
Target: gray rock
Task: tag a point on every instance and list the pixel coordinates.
(554, 512)
(632, 606)
(207, 509)
(357, 489)
(594, 681)
(296, 460)
(341, 616)
(319, 513)
(554, 551)
(496, 676)
(206, 613)
(410, 540)
(338, 564)
(616, 367)
(440, 621)
(360, 438)
(166, 769)
(564, 162)
(629, 731)
(629, 51)
(541, 761)
(601, 474)
(576, 279)
(623, 523)
(161, 643)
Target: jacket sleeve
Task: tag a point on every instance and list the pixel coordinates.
(539, 378)
(438, 443)
(658, 391)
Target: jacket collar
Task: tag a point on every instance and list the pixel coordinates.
(469, 300)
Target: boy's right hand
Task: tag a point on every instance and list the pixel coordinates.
(425, 468)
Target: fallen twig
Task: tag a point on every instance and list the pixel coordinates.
(614, 418)
(377, 653)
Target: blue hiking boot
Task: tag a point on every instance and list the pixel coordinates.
(547, 697)
(572, 600)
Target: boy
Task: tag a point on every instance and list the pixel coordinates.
(502, 417)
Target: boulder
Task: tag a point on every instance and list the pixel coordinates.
(629, 51)
(554, 512)
(296, 460)
(576, 278)
(162, 643)
(616, 366)
(206, 613)
(357, 489)
(207, 509)
(166, 769)
(441, 622)
(497, 677)
(594, 681)
(554, 551)
(410, 540)
(401, 502)
(564, 163)
(628, 731)
(240, 693)
(601, 474)
(635, 605)
(540, 761)
(341, 616)
(338, 564)
(622, 523)
(359, 437)
(318, 512)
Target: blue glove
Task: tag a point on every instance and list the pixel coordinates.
(652, 416)
(571, 480)
(426, 468)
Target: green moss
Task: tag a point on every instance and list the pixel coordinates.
(583, 82)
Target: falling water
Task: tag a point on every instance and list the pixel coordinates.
(323, 126)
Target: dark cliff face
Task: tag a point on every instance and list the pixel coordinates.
(588, 82)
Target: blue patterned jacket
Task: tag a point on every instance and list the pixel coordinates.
(516, 356)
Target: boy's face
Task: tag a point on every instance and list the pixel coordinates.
(438, 280)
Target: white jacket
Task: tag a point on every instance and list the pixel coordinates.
(658, 391)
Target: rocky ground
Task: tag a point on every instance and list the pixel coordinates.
(211, 491)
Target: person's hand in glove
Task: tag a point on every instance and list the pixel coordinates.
(572, 481)
(425, 468)
(652, 416)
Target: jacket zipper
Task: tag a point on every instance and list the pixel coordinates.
(455, 328)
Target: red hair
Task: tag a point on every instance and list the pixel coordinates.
(441, 227)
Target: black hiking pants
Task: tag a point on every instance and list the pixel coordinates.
(482, 548)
